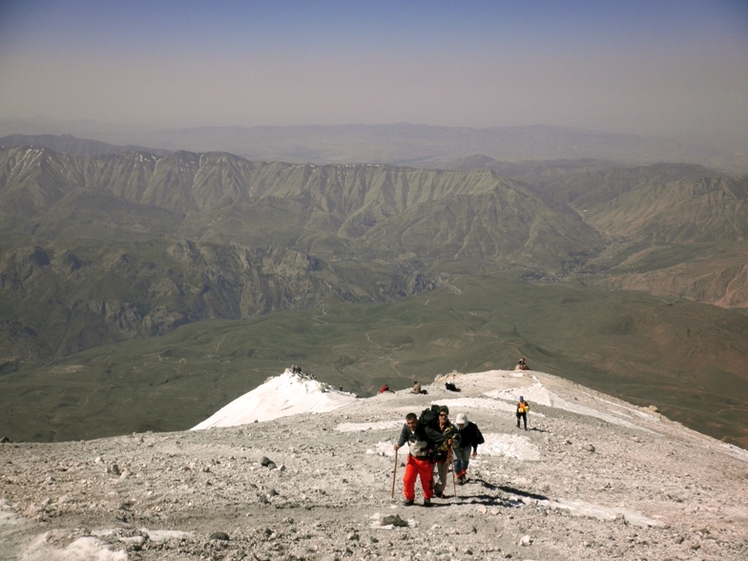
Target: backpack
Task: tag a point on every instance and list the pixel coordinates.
(430, 417)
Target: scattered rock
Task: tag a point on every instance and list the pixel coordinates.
(267, 462)
(392, 520)
(222, 536)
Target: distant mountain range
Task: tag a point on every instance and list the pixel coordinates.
(402, 144)
(71, 145)
(101, 245)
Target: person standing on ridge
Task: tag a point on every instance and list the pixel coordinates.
(522, 409)
(470, 438)
(419, 462)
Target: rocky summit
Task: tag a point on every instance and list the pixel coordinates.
(591, 478)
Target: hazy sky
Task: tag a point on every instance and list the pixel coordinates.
(626, 65)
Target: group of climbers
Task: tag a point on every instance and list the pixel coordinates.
(431, 440)
(435, 444)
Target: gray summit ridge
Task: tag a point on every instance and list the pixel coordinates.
(593, 478)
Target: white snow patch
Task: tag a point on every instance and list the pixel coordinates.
(362, 427)
(280, 396)
(497, 444)
(620, 409)
(736, 452)
(538, 393)
(87, 548)
(582, 508)
(509, 445)
(387, 448)
(7, 516)
(163, 535)
(153, 535)
(535, 393)
(467, 403)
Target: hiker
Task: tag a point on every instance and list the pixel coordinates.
(470, 438)
(419, 460)
(522, 364)
(445, 436)
(416, 387)
(385, 389)
(522, 409)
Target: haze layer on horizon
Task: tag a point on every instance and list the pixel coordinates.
(650, 67)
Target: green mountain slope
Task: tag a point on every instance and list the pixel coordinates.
(684, 211)
(674, 229)
(684, 357)
(115, 267)
(135, 245)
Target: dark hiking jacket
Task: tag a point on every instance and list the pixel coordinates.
(440, 436)
(418, 442)
(470, 436)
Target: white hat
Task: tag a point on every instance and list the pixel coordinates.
(461, 419)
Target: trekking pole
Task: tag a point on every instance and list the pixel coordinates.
(454, 483)
(394, 475)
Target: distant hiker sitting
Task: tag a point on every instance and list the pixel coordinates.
(416, 387)
(444, 436)
(522, 409)
(470, 438)
(522, 364)
(385, 389)
(419, 460)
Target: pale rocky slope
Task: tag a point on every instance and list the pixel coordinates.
(593, 478)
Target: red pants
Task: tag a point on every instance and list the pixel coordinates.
(418, 467)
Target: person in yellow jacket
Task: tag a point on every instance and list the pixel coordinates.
(522, 409)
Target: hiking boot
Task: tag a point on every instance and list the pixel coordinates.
(408, 503)
(461, 480)
(426, 502)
